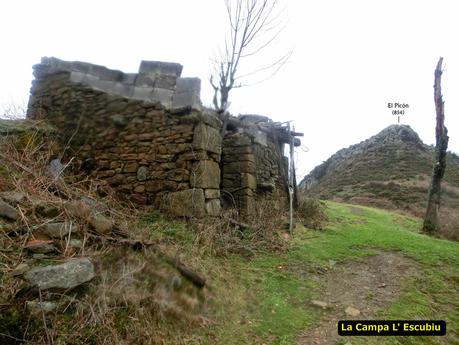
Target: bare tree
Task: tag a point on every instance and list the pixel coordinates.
(253, 26)
(441, 134)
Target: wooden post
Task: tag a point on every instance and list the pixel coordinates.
(431, 223)
(291, 179)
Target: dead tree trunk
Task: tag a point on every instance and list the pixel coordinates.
(431, 223)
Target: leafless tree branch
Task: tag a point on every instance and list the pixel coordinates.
(253, 26)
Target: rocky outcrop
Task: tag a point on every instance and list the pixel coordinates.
(393, 139)
(391, 169)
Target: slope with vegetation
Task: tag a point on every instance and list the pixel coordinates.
(392, 170)
(262, 286)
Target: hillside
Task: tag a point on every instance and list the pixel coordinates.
(391, 170)
(122, 284)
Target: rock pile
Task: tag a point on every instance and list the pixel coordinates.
(54, 244)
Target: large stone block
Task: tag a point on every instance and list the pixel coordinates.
(142, 93)
(165, 82)
(207, 138)
(143, 80)
(160, 67)
(163, 96)
(187, 93)
(212, 193)
(186, 203)
(260, 137)
(117, 88)
(77, 77)
(232, 168)
(205, 174)
(242, 140)
(249, 181)
(129, 78)
(213, 207)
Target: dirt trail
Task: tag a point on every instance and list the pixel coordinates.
(369, 286)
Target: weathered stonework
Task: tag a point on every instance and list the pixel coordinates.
(253, 165)
(133, 131)
(147, 136)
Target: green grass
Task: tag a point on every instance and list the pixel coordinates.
(269, 300)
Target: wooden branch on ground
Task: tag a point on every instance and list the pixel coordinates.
(195, 278)
(240, 224)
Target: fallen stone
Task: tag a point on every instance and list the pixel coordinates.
(64, 276)
(39, 256)
(8, 211)
(40, 246)
(12, 197)
(351, 311)
(77, 208)
(36, 308)
(100, 223)
(319, 304)
(76, 243)
(20, 269)
(56, 230)
(55, 167)
(47, 211)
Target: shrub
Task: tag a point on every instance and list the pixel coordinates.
(311, 212)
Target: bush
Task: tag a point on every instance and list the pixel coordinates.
(449, 224)
(311, 212)
(232, 234)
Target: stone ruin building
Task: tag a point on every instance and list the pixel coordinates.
(148, 136)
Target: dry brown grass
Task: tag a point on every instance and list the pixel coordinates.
(449, 223)
(136, 298)
(311, 212)
(232, 234)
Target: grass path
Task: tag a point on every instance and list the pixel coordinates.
(268, 300)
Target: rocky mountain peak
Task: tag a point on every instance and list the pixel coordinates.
(398, 133)
(393, 141)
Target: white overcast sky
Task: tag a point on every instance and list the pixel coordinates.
(350, 58)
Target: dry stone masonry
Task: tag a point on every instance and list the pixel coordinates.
(148, 136)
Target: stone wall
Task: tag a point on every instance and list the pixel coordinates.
(253, 165)
(147, 135)
(156, 81)
(164, 152)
